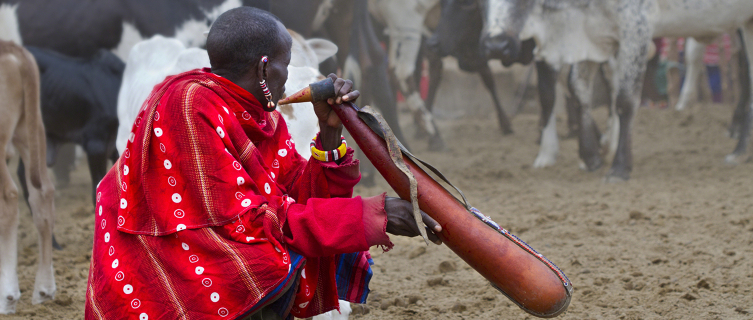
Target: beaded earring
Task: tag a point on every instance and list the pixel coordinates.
(264, 89)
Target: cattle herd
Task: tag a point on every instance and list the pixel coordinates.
(78, 72)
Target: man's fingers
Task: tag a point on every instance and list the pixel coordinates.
(431, 223)
(432, 236)
(352, 96)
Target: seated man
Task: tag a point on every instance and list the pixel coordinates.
(211, 213)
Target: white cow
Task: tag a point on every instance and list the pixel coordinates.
(150, 61)
(589, 32)
(404, 21)
(21, 125)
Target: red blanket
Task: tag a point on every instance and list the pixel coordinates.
(196, 218)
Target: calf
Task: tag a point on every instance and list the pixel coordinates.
(79, 99)
(588, 32)
(21, 125)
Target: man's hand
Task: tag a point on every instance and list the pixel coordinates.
(400, 220)
(330, 126)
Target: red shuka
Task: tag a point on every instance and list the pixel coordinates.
(196, 218)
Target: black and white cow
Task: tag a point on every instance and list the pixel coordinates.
(79, 105)
(588, 32)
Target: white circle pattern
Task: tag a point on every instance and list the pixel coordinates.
(143, 316)
(237, 165)
(123, 203)
(240, 181)
(104, 223)
(162, 147)
(221, 132)
(158, 132)
(119, 276)
(180, 227)
(127, 153)
(177, 198)
(168, 164)
(282, 152)
(246, 115)
(199, 270)
(214, 297)
(125, 170)
(121, 221)
(193, 258)
(240, 229)
(245, 203)
(111, 251)
(135, 303)
(124, 186)
(171, 181)
(131, 137)
(99, 196)
(107, 237)
(220, 117)
(267, 188)
(226, 111)
(273, 175)
(100, 210)
(156, 116)
(222, 312)
(206, 282)
(179, 213)
(238, 195)
(128, 289)
(115, 263)
(184, 245)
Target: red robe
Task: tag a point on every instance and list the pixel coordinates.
(197, 218)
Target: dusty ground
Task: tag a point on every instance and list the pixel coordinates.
(672, 243)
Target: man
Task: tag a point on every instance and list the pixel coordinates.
(211, 213)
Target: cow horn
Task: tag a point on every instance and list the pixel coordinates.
(317, 91)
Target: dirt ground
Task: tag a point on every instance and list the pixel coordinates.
(674, 242)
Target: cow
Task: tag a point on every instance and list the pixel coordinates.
(405, 26)
(152, 60)
(21, 126)
(458, 34)
(79, 101)
(586, 33)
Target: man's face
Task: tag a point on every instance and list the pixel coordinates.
(277, 69)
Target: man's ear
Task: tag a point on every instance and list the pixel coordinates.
(261, 68)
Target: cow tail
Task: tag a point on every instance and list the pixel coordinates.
(33, 115)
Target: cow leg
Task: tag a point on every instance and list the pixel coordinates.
(694, 52)
(97, 156)
(64, 159)
(488, 78)
(631, 65)
(744, 100)
(9, 292)
(573, 114)
(435, 77)
(549, 146)
(745, 115)
(581, 86)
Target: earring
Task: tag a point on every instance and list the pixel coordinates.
(264, 89)
(267, 94)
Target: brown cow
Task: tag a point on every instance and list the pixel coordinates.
(21, 124)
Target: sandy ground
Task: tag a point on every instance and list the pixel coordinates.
(674, 242)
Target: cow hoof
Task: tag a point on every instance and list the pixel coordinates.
(734, 159)
(543, 161)
(8, 305)
(436, 143)
(42, 296)
(592, 164)
(617, 176)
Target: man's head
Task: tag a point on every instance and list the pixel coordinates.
(237, 44)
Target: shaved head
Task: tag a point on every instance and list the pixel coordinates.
(241, 36)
